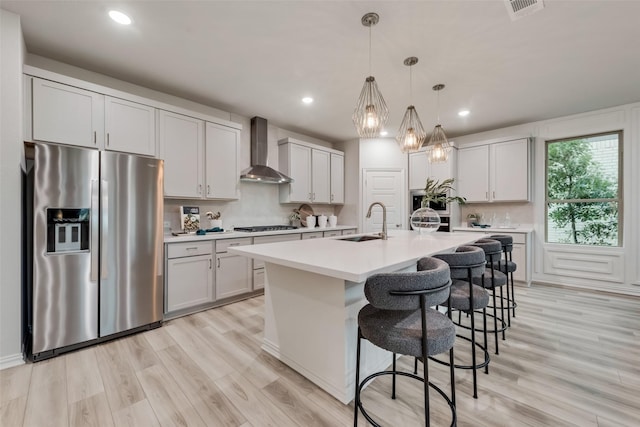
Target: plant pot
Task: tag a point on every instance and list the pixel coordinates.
(425, 220)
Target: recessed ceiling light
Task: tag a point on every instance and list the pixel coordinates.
(384, 133)
(307, 100)
(463, 113)
(119, 17)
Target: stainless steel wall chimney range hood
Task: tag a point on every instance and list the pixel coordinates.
(259, 171)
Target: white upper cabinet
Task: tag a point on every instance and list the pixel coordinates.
(337, 178)
(420, 169)
(310, 167)
(222, 148)
(181, 146)
(510, 168)
(130, 127)
(496, 172)
(66, 115)
(473, 173)
(200, 158)
(295, 161)
(320, 176)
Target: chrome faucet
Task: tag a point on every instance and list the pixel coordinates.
(383, 234)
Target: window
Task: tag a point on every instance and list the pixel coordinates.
(584, 190)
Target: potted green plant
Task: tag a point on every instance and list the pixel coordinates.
(426, 219)
(440, 192)
(294, 218)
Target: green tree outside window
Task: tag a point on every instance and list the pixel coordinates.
(583, 192)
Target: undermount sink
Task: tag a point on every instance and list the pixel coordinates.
(361, 238)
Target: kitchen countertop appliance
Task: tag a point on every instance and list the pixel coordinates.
(93, 233)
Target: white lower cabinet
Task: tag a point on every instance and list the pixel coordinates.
(233, 272)
(190, 275)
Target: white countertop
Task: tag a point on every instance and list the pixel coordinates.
(355, 261)
(236, 234)
(496, 230)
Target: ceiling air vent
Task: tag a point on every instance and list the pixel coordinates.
(520, 8)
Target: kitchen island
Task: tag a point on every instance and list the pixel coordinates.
(314, 290)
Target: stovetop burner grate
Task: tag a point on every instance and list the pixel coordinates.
(256, 228)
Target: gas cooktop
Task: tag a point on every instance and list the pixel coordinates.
(256, 228)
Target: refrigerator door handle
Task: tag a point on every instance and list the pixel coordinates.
(104, 229)
(95, 230)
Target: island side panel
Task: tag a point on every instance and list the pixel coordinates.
(311, 325)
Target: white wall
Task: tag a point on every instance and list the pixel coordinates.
(12, 51)
(611, 269)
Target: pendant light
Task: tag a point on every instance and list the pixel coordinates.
(371, 112)
(438, 147)
(411, 135)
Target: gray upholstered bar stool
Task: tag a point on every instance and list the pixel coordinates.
(399, 319)
(507, 266)
(466, 263)
(493, 279)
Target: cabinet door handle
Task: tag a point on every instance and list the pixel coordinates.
(218, 262)
(209, 263)
(310, 197)
(95, 137)
(234, 244)
(192, 249)
(208, 189)
(332, 197)
(199, 188)
(494, 194)
(107, 139)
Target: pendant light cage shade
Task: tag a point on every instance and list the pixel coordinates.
(411, 134)
(371, 112)
(438, 148)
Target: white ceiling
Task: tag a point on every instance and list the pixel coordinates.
(261, 57)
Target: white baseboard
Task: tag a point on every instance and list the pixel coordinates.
(11, 361)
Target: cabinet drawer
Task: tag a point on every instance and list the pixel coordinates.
(178, 250)
(312, 235)
(223, 245)
(274, 239)
(332, 233)
(518, 238)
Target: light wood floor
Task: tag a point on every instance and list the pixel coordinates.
(571, 358)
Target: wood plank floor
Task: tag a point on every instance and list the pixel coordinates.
(571, 358)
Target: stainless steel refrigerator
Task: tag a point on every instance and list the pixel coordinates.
(93, 246)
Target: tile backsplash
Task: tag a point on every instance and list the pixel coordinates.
(258, 205)
(519, 213)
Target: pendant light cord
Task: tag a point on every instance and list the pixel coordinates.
(370, 49)
(411, 84)
(438, 107)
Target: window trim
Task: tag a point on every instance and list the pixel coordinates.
(620, 195)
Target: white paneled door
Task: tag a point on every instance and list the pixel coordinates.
(386, 186)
